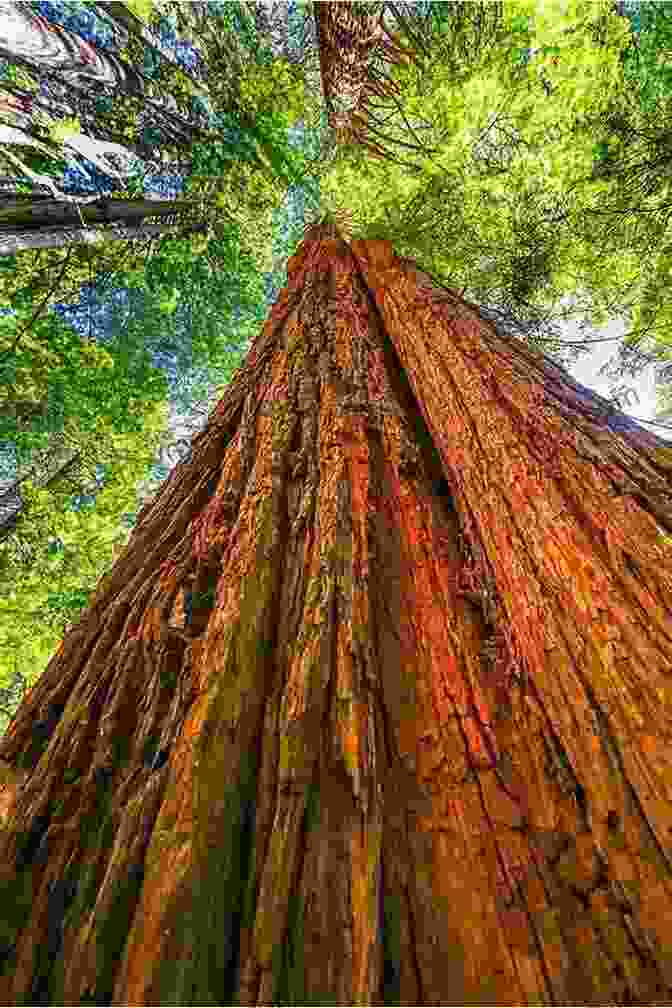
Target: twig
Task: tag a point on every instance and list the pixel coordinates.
(43, 303)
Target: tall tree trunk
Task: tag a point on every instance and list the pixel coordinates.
(375, 706)
(40, 214)
(11, 501)
(31, 38)
(120, 14)
(22, 106)
(355, 49)
(60, 237)
(84, 71)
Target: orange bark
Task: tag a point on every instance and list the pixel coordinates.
(356, 51)
(375, 708)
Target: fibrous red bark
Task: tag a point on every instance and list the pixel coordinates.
(375, 708)
(356, 48)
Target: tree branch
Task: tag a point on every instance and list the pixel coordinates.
(41, 306)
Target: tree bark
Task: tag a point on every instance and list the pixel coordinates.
(22, 106)
(375, 706)
(60, 237)
(56, 54)
(21, 214)
(121, 14)
(29, 37)
(353, 41)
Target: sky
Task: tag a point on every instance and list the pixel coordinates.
(586, 370)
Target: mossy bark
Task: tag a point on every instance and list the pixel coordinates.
(375, 707)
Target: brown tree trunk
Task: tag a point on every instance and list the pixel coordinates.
(355, 49)
(375, 707)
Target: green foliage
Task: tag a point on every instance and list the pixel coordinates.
(502, 200)
(51, 564)
(143, 9)
(198, 296)
(56, 275)
(288, 163)
(204, 278)
(273, 90)
(43, 165)
(648, 67)
(50, 364)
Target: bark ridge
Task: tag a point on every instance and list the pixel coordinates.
(375, 708)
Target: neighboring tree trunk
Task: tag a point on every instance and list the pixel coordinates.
(60, 237)
(356, 48)
(133, 26)
(360, 43)
(18, 214)
(375, 707)
(11, 501)
(84, 70)
(28, 36)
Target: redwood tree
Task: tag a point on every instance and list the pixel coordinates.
(375, 707)
(355, 49)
